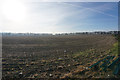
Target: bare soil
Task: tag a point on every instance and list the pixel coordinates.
(51, 56)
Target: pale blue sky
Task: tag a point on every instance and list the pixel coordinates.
(58, 17)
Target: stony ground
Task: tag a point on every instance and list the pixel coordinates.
(53, 56)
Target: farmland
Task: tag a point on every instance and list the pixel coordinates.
(52, 56)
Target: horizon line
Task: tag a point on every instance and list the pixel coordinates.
(58, 32)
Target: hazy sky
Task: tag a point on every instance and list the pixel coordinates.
(56, 17)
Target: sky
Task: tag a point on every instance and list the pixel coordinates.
(57, 17)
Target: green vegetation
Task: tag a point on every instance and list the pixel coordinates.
(83, 53)
(116, 47)
(78, 54)
(114, 50)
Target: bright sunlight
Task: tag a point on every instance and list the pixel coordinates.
(13, 10)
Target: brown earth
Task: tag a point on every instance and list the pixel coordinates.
(51, 56)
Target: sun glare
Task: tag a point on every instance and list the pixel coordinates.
(14, 10)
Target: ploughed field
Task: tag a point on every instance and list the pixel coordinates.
(51, 56)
